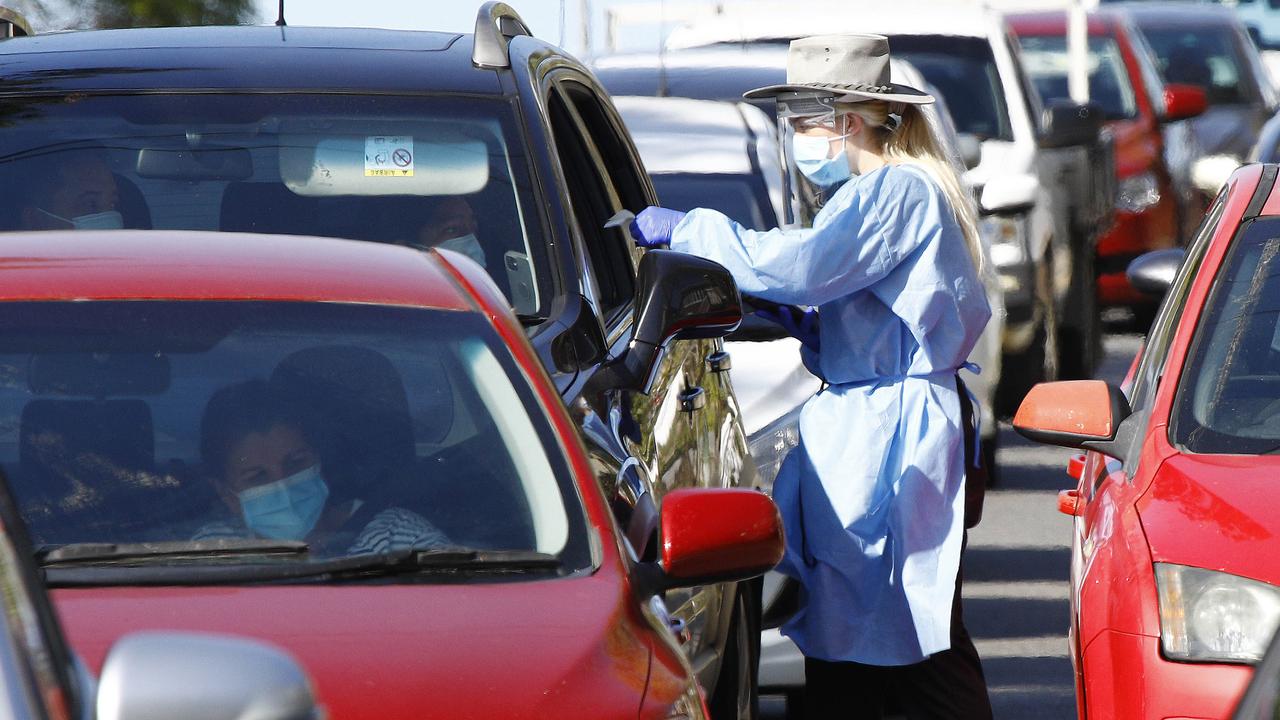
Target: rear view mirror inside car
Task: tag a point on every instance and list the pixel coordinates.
(213, 163)
(442, 163)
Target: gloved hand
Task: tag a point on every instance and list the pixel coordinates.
(804, 328)
(653, 226)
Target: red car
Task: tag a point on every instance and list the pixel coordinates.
(352, 451)
(1124, 82)
(1175, 576)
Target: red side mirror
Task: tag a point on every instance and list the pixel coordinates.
(718, 534)
(1183, 101)
(1076, 413)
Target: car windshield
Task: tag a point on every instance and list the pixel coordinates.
(741, 197)
(1206, 57)
(1229, 396)
(964, 71)
(1045, 60)
(193, 434)
(426, 171)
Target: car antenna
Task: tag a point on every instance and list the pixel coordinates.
(280, 18)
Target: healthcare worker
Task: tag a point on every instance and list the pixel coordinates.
(872, 498)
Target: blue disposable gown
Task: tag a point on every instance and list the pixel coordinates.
(872, 499)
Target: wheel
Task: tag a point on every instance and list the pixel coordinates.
(737, 693)
(1021, 371)
(1080, 330)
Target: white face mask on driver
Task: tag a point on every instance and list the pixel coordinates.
(106, 220)
(467, 245)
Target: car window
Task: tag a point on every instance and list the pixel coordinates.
(1206, 57)
(596, 193)
(426, 171)
(964, 71)
(359, 428)
(1229, 394)
(734, 195)
(1045, 60)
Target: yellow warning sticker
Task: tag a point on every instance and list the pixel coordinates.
(388, 156)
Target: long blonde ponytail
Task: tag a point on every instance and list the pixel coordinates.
(915, 141)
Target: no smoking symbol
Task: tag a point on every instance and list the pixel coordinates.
(402, 157)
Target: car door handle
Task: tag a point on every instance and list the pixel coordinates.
(693, 398)
(719, 361)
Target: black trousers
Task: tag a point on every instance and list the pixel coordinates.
(948, 684)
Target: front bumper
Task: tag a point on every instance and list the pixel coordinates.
(1125, 676)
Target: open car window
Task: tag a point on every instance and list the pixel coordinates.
(423, 171)
(347, 429)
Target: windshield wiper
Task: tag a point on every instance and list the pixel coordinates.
(457, 562)
(49, 555)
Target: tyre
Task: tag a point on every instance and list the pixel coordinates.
(1080, 327)
(737, 693)
(1018, 373)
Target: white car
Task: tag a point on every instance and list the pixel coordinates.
(725, 156)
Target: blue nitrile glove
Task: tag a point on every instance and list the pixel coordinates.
(654, 225)
(806, 330)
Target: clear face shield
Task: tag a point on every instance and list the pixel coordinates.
(812, 163)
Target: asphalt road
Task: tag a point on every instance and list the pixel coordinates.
(1016, 575)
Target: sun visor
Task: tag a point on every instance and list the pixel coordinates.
(443, 163)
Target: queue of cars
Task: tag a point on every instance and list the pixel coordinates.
(207, 145)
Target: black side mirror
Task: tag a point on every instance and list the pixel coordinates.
(1152, 273)
(1067, 124)
(678, 297)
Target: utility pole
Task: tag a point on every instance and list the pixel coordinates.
(1078, 49)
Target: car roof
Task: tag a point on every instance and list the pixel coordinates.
(196, 265)
(1177, 14)
(681, 135)
(784, 22)
(242, 57)
(1101, 21)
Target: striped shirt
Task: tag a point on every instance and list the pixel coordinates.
(391, 529)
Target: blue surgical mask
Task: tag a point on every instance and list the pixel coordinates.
(467, 245)
(286, 509)
(812, 161)
(106, 220)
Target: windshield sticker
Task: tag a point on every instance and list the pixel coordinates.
(388, 156)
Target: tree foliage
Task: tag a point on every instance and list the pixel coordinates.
(170, 13)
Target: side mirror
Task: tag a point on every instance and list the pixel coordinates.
(716, 535)
(1182, 102)
(1152, 273)
(1083, 414)
(1067, 124)
(678, 296)
(970, 149)
(170, 674)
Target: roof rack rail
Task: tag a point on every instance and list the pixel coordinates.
(496, 24)
(13, 24)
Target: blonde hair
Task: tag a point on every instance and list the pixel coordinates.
(916, 141)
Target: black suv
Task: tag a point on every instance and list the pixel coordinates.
(497, 145)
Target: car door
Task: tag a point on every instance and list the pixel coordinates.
(643, 445)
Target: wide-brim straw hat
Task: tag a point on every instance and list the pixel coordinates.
(852, 67)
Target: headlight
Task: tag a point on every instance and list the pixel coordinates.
(689, 706)
(770, 445)
(1209, 616)
(1138, 193)
(1007, 235)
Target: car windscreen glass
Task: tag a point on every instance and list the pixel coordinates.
(964, 71)
(1229, 396)
(200, 433)
(424, 171)
(1206, 57)
(738, 196)
(1045, 58)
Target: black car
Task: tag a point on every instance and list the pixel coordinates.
(493, 144)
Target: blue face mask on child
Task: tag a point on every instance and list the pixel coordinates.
(812, 161)
(286, 509)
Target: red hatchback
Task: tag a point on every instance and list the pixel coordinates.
(1176, 550)
(1124, 82)
(352, 451)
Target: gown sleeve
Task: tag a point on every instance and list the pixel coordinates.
(863, 233)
